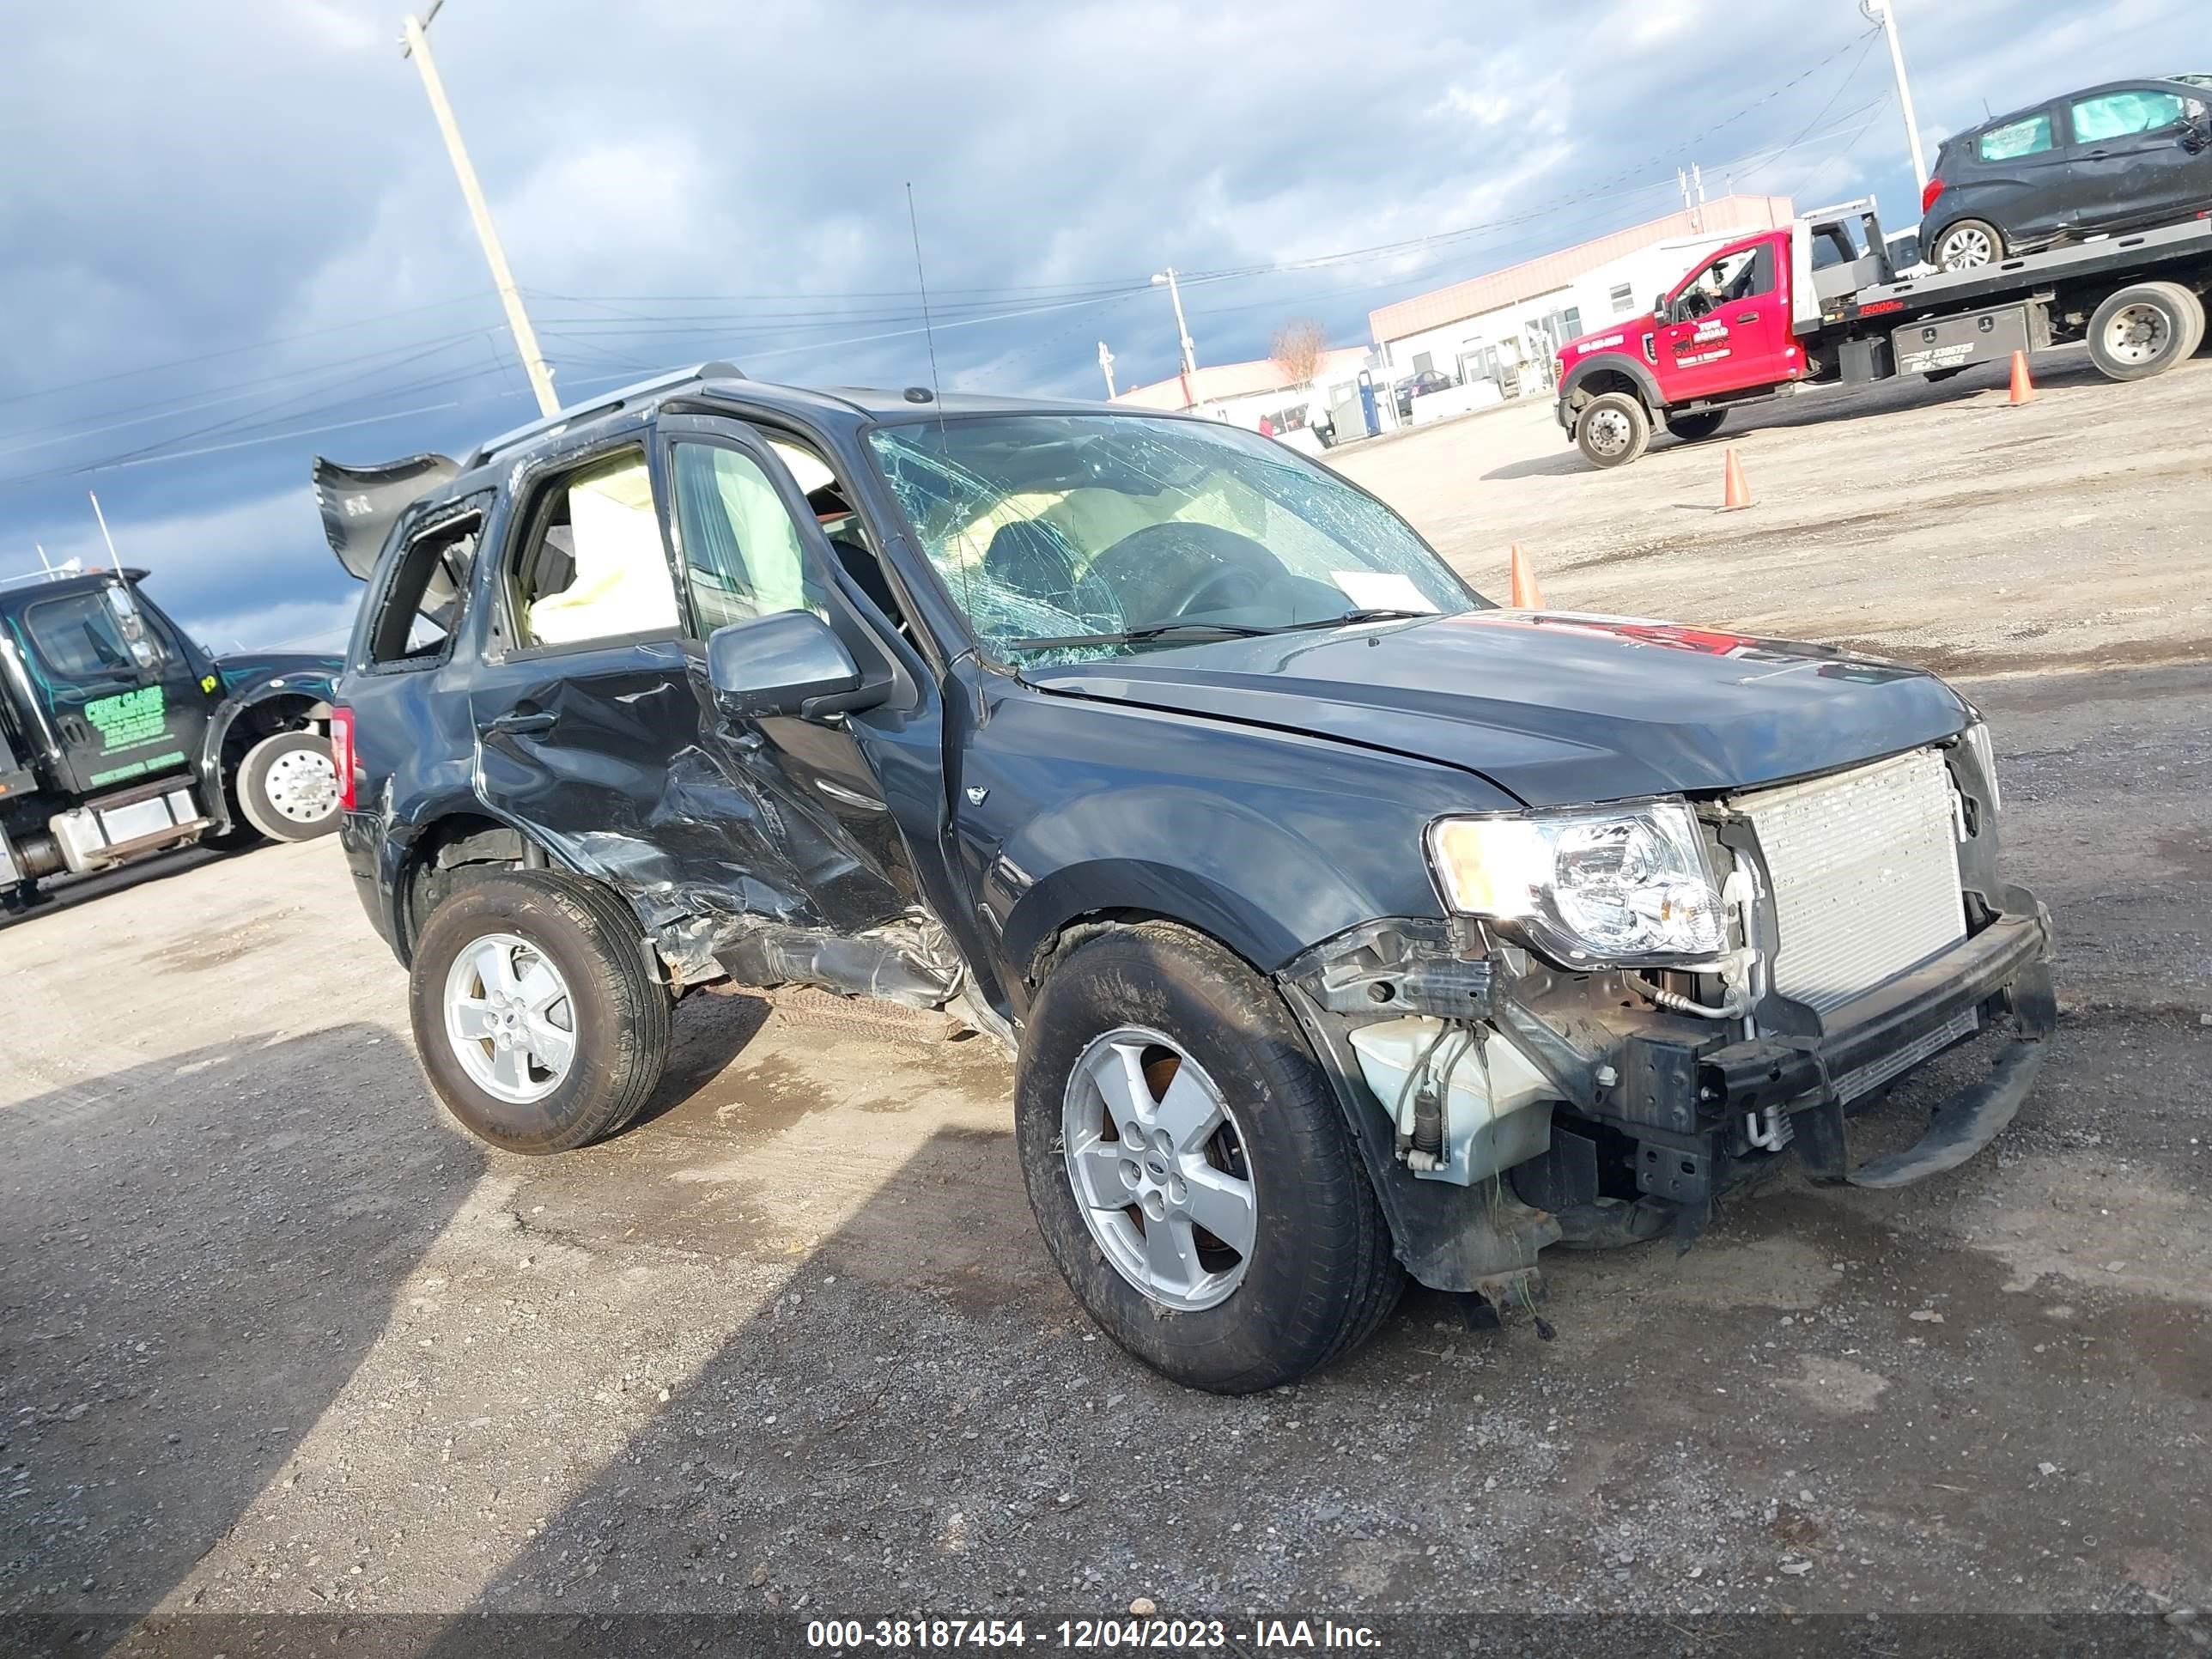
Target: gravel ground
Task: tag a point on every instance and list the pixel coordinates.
(275, 1338)
(1939, 523)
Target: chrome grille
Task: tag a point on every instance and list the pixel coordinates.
(1865, 868)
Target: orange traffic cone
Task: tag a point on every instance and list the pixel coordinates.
(2023, 389)
(1526, 595)
(1735, 492)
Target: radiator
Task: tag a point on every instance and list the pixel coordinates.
(1865, 868)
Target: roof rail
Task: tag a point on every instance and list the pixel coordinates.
(606, 404)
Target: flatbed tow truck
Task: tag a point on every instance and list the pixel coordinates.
(1817, 302)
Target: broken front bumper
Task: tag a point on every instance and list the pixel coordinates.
(2000, 974)
(1693, 1105)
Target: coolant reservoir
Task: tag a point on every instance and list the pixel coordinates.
(1498, 1107)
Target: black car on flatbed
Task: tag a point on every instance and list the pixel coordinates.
(1345, 926)
(2116, 157)
(119, 736)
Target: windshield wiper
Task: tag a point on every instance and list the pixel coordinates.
(1370, 614)
(1168, 630)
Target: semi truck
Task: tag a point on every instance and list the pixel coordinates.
(1819, 302)
(120, 737)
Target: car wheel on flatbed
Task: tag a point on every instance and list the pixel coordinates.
(288, 786)
(1696, 428)
(539, 1018)
(1190, 1169)
(1613, 429)
(2145, 330)
(1968, 244)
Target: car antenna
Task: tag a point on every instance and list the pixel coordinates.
(929, 334)
(936, 389)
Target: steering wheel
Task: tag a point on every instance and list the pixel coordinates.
(1206, 565)
(1695, 302)
(1200, 588)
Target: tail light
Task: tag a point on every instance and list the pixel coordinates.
(1929, 192)
(342, 756)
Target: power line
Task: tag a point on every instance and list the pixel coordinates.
(230, 351)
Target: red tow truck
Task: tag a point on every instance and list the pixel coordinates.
(1816, 302)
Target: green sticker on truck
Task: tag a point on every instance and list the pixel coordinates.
(131, 719)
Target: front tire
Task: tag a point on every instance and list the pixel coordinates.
(2145, 330)
(1247, 1248)
(1968, 244)
(1613, 429)
(539, 1021)
(288, 786)
(1696, 428)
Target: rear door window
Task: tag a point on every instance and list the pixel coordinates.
(593, 567)
(2031, 136)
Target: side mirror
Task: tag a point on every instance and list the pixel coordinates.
(1659, 309)
(786, 663)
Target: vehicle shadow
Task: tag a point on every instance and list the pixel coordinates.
(713, 1028)
(193, 1265)
(2066, 367)
(67, 894)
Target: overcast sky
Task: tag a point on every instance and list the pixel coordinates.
(222, 226)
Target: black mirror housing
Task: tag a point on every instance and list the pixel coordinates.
(1659, 309)
(788, 662)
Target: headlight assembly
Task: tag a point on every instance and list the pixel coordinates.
(1619, 886)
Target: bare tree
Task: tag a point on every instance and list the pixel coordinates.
(1298, 350)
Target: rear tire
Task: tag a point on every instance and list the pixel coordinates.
(1613, 429)
(2145, 330)
(1966, 244)
(1147, 1031)
(288, 786)
(611, 1009)
(1696, 428)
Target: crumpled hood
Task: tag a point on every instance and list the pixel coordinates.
(1554, 708)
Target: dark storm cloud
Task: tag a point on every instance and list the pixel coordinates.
(222, 226)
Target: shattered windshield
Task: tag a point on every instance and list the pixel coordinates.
(1071, 536)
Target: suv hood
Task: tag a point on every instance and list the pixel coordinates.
(1555, 708)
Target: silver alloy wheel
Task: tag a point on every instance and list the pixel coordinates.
(1609, 432)
(1965, 248)
(2138, 333)
(510, 1018)
(1159, 1169)
(303, 785)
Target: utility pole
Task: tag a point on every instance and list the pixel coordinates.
(1884, 12)
(416, 45)
(1106, 363)
(1182, 328)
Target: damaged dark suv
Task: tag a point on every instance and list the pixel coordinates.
(1345, 926)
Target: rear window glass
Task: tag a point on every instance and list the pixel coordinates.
(422, 606)
(2016, 139)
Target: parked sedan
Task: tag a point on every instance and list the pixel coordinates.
(2108, 158)
(1420, 386)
